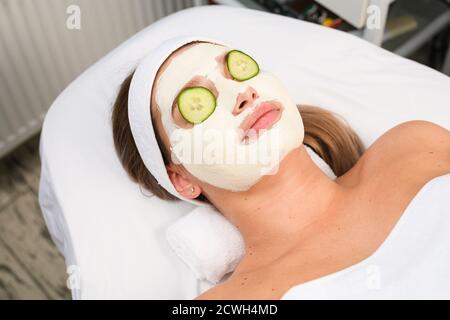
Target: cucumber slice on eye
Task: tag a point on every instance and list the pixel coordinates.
(196, 104)
(241, 66)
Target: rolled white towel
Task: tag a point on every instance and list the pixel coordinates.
(208, 243)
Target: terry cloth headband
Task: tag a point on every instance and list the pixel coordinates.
(139, 111)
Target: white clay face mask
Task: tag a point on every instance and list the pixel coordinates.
(223, 145)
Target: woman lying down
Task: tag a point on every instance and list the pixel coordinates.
(200, 121)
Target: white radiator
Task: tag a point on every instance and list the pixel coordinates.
(40, 55)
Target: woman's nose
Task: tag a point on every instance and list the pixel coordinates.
(245, 100)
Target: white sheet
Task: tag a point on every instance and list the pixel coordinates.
(113, 235)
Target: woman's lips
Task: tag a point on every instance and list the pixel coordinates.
(264, 116)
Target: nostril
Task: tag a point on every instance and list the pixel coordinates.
(241, 105)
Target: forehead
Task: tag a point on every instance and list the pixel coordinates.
(173, 55)
(182, 50)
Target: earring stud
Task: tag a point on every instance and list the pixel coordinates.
(192, 189)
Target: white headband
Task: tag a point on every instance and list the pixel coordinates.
(139, 111)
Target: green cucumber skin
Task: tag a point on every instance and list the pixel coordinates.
(185, 117)
(243, 53)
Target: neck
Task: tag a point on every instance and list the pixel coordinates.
(277, 209)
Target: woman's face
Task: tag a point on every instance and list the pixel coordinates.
(254, 125)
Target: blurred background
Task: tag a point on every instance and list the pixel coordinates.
(46, 44)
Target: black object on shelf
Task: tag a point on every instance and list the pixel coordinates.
(308, 10)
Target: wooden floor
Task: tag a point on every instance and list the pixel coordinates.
(30, 265)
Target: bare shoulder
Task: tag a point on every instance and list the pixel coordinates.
(415, 150)
(423, 136)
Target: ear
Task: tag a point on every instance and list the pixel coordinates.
(183, 185)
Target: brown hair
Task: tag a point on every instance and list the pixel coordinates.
(332, 139)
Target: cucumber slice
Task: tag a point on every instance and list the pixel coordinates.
(241, 66)
(196, 104)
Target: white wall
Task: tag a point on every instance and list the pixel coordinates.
(40, 55)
